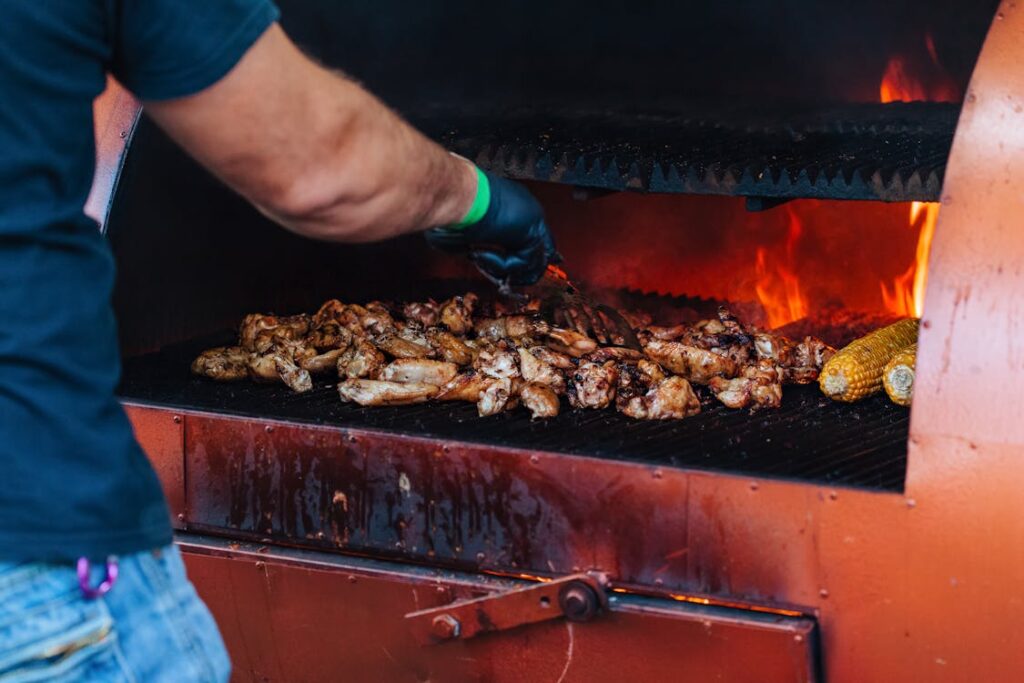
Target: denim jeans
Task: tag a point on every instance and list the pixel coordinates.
(150, 628)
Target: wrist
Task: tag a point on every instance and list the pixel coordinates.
(468, 196)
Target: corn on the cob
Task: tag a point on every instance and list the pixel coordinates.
(856, 371)
(898, 376)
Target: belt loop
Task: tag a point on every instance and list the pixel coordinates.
(105, 585)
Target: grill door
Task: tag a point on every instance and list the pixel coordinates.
(294, 615)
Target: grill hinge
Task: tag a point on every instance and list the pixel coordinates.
(577, 597)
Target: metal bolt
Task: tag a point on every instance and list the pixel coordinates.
(833, 495)
(480, 557)
(534, 459)
(823, 592)
(578, 602)
(351, 578)
(754, 486)
(911, 503)
(181, 516)
(445, 627)
(268, 429)
(798, 638)
(177, 419)
(657, 474)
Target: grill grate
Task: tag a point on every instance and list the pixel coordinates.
(810, 438)
(889, 152)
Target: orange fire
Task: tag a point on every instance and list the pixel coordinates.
(905, 295)
(778, 288)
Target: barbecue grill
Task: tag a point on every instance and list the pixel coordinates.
(820, 541)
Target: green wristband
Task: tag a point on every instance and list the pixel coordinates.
(481, 202)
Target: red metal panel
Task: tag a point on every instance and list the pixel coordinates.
(291, 621)
(161, 433)
(462, 504)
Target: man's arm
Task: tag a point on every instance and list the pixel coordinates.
(315, 151)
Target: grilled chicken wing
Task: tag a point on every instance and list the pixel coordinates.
(535, 370)
(799, 363)
(329, 336)
(457, 313)
(649, 396)
(223, 363)
(279, 364)
(759, 386)
(449, 347)
(419, 370)
(511, 326)
(593, 385)
(690, 362)
(257, 332)
(323, 362)
(361, 360)
(539, 399)
(466, 386)
(570, 342)
(369, 392)
(397, 347)
(423, 312)
(497, 362)
(497, 397)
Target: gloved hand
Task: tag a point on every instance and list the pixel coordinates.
(504, 233)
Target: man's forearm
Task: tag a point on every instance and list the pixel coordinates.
(316, 151)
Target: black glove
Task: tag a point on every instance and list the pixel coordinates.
(511, 243)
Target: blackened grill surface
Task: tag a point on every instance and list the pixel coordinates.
(810, 438)
(889, 152)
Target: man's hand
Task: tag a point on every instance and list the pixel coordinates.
(510, 242)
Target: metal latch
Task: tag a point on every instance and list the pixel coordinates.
(577, 597)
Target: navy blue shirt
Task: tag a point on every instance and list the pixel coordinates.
(73, 481)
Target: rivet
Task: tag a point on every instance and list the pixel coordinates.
(753, 486)
(534, 459)
(911, 503)
(268, 429)
(177, 419)
(971, 97)
(823, 592)
(833, 495)
(658, 582)
(480, 557)
(657, 473)
(351, 578)
(798, 638)
(181, 516)
(258, 564)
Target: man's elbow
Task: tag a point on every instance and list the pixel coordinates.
(311, 210)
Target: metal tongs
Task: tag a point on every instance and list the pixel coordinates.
(564, 303)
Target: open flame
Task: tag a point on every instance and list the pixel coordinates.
(777, 286)
(905, 294)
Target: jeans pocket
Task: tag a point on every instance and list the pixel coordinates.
(50, 633)
(195, 630)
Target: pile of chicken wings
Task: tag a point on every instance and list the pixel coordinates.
(385, 354)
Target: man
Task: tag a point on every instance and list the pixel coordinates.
(90, 587)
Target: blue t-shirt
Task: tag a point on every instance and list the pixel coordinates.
(73, 481)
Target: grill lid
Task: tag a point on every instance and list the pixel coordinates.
(889, 152)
